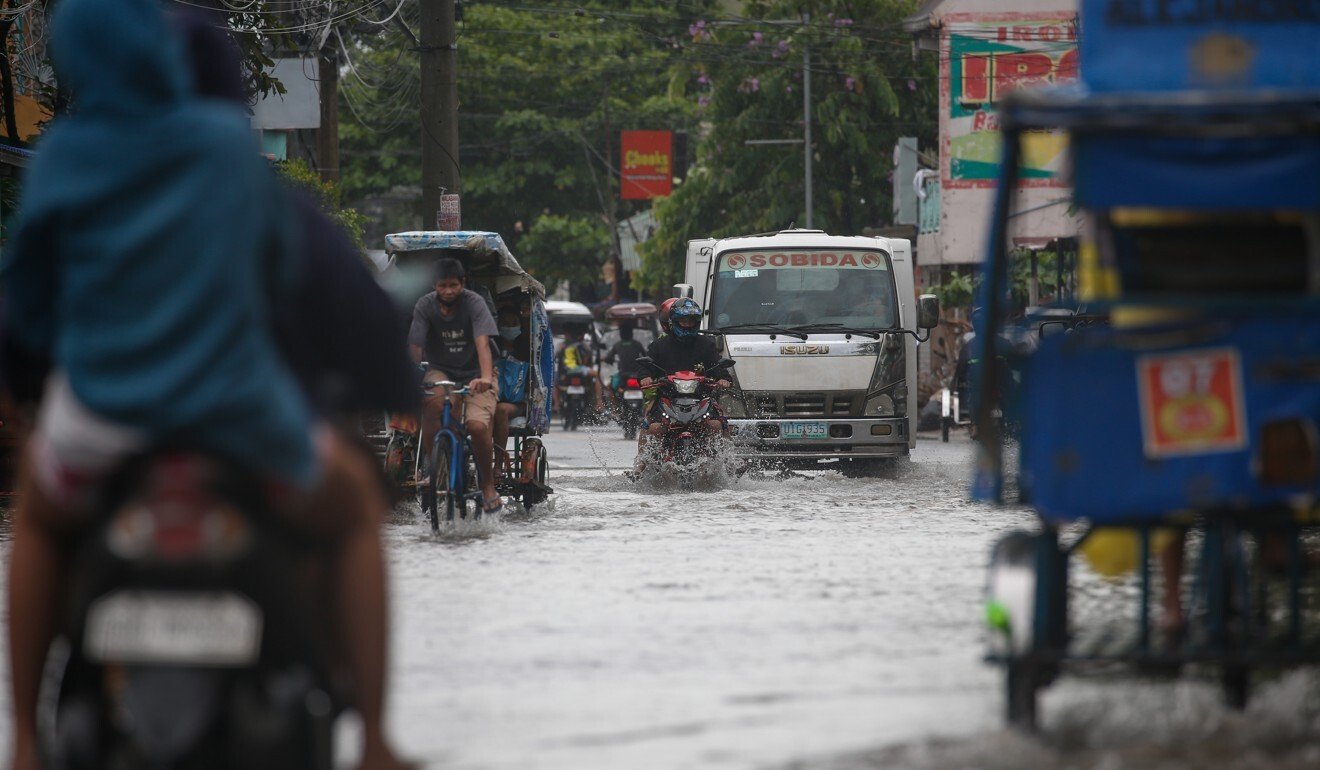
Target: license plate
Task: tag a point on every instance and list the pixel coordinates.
(208, 629)
(575, 390)
(804, 430)
(633, 395)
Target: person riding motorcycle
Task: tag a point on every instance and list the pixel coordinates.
(575, 358)
(682, 349)
(150, 348)
(625, 354)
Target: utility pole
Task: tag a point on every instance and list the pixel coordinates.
(806, 112)
(439, 106)
(805, 141)
(327, 137)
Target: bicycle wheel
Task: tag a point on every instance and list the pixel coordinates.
(430, 491)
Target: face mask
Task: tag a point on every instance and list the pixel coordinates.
(510, 332)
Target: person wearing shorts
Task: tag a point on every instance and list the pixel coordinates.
(452, 331)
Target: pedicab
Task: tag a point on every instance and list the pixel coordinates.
(492, 272)
(1189, 419)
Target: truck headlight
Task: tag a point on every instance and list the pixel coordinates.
(880, 406)
(733, 406)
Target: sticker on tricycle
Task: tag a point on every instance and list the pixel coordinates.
(1191, 402)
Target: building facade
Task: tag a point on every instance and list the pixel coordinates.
(985, 51)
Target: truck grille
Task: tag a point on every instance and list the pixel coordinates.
(804, 406)
(797, 405)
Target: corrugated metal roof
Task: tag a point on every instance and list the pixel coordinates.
(634, 230)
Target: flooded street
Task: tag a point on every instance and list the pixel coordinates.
(816, 621)
(812, 622)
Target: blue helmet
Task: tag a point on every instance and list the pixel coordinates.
(685, 318)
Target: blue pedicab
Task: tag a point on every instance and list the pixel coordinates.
(1192, 415)
(492, 272)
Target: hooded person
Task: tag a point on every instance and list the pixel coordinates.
(152, 237)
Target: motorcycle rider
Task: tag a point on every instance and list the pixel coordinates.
(683, 349)
(156, 318)
(625, 353)
(575, 358)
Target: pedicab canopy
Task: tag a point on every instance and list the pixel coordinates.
(484, 254)
(1200, 104)
(628, 311)
(490, 266)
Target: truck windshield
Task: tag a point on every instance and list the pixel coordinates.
(791, 288)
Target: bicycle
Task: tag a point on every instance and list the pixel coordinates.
(451, 469)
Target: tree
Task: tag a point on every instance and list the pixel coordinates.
(544, 92)
(746, 79)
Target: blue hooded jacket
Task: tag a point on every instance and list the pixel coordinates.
(152, 236)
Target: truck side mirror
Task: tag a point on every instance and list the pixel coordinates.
(928, 311)
(683, 290)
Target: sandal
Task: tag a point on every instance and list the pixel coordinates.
(497, 508)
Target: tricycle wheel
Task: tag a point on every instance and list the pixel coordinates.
(1236, 680)
(1022, 683)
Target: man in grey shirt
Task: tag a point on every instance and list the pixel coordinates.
(451, 330)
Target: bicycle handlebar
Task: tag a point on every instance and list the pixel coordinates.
(449, 385)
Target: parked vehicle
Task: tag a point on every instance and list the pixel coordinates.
(192, 640)
(824, 330)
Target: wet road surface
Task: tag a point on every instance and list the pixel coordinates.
(815, 621)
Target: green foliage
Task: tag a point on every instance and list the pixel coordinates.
(544, 92)
(567, 248)
(300, 175)
(747, 81)
(543, 97)
(957, 290)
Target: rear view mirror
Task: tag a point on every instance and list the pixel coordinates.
(928, 311)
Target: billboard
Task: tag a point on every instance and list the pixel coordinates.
(646, 164)
(988, 56)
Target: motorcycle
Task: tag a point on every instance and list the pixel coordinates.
(631, 405)
(686, 405)
(189, 641)
(575, 387)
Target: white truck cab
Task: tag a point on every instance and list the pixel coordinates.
(824, 333)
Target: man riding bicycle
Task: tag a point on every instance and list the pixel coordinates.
(452, 329)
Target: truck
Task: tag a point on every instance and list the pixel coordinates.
(823, 330)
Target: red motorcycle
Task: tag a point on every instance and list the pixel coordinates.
(685, 404)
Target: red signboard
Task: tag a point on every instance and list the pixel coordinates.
(646, 164)
(1191, 402)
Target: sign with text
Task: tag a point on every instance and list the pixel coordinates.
(739, 261)
(646, 164)
(990, 55)
(1191, 402)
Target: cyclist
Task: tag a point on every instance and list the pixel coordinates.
(452, 330)
(156, 322)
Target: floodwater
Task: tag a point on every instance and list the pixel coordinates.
(814, 621)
